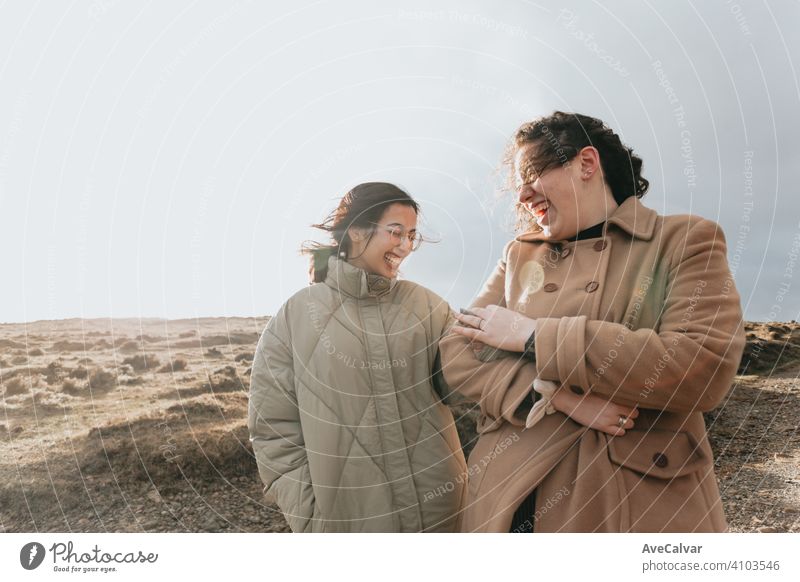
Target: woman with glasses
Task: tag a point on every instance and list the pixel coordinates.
(599, 297)
(349, 431)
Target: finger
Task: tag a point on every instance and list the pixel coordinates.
(467, 332)
(479, 312)
(613, 430)
(470, 320)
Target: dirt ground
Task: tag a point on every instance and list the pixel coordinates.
(140, 425)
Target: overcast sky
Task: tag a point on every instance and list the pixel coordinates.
(165, 159)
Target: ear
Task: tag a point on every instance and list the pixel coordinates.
(589, 159)
(357, 234)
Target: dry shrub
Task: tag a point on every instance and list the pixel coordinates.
(129, 347)
(73, 388)
(177, 365)
(54, 372)
(102, 344)
(214, 353)
(101, 380)
(244, 357)
(7, 344)
(168, 449)
(221, 407)
(16, 385)
(233, 338)
(79, 373)
(769, 347)
(36, 352)
(185, 334)
(19, 360)
(49, 401)
(141, 362)
(68, 346)
(225, 380)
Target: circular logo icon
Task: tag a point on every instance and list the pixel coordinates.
(31, 555)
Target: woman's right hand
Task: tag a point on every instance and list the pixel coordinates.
(594, 412)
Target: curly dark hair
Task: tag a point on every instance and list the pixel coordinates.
(362, 206)
(559, 137)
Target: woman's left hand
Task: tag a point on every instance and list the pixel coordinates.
(496, 326)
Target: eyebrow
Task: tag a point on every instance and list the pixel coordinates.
(401, 226)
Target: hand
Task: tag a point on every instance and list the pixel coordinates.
(496, 326)
(594, 411)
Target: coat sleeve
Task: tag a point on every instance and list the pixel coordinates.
(499, 385)
(275, 429)
(448, 395)
(687, 364)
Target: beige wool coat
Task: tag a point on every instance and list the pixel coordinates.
(646, 315)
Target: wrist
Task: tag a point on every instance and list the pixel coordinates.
(525, 331)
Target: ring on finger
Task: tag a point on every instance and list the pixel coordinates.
(622, 420)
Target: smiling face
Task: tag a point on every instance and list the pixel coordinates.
(379, 250)
(565, 198)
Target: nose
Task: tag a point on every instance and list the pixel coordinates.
(404, 248)
(525, 193)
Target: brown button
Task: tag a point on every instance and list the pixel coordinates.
(660, 460)
(565, 253)
(600, 245)
(592, 286)
(577, 390)
(550, 287)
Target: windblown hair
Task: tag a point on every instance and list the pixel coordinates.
(361, 207)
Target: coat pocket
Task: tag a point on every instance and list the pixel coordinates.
(663, 454)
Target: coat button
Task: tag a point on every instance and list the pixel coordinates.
(600, 245)
(550, 287)
(565, 253)
(592, 286)
(660, 460)
(577, 390)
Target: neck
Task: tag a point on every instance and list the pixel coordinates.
(602, 211)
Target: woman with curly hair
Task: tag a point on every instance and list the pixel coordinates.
(598, 297)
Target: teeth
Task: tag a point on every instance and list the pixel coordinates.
(394, 261)
(541, 206)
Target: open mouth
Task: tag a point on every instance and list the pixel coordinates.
(540, 209)
(392, 260)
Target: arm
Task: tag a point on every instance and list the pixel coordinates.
(447, 395)
(687, 365)
(275, 430)
(499, 385)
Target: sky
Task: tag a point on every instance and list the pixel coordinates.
(166, 159)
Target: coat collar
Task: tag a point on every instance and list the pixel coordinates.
(631, 216)
(356, 282)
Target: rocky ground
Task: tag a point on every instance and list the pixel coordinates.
(140, 425)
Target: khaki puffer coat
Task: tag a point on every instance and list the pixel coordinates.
(646, 315)
(348, 428)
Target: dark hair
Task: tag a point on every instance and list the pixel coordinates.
(361, 207)
(560, 136)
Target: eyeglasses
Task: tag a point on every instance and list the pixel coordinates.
(399, 235)
(532, 177)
